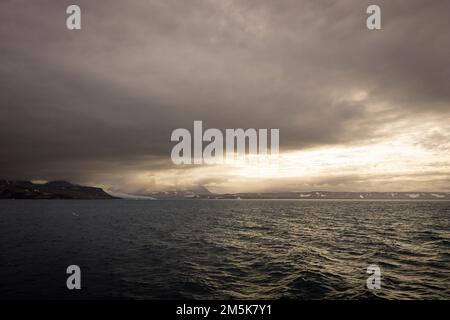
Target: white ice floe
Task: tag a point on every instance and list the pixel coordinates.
(305, 195)
(438, 195)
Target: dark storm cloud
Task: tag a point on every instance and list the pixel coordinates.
(76, 104)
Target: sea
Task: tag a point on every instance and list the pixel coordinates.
(224, 249)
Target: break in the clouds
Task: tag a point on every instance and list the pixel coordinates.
(356, 109)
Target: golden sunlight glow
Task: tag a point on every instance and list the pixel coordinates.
(414, 158)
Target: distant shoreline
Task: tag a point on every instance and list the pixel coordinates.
(250, 199)
(23, 189)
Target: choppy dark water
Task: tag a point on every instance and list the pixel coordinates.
(224, 249)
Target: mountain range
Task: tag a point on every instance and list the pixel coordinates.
(316, 195)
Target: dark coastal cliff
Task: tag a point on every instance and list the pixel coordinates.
(15, 189)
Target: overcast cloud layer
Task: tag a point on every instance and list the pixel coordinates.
(98, 105)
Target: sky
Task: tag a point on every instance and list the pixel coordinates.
(358, 110)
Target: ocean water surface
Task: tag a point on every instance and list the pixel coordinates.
(224, 249)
